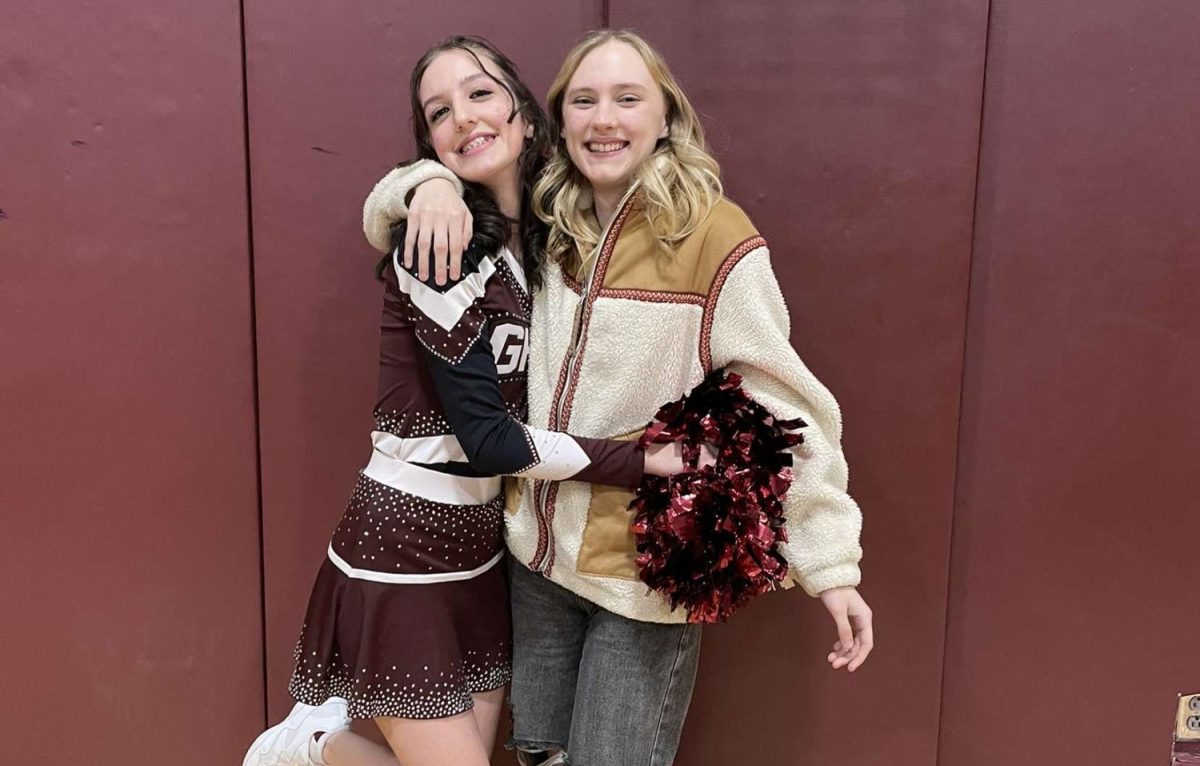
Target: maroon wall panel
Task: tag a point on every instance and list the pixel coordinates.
(329, 113)
(1073, 617)
(129, 555)
(849, 133)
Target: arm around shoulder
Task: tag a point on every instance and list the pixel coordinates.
(388, 201)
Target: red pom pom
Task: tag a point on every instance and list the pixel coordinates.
(708, 539)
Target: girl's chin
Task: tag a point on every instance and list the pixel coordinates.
(606, 172)
(476, 173)
(609, 183)
(482, 165)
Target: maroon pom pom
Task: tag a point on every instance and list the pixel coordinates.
(708, 539)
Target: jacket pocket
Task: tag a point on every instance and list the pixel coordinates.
(608, 547)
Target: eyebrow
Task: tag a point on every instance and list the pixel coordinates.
(463, 81)
(618, 86)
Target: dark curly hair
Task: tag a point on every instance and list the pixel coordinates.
(491, 227)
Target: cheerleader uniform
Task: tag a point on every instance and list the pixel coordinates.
(409, 614)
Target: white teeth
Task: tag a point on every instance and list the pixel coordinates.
(474, 143)
(610, 147)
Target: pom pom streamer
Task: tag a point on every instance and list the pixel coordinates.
(707, 539)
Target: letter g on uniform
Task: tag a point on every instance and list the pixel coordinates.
(508, 346)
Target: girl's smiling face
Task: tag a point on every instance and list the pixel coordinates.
(467, 114)
(613, 115)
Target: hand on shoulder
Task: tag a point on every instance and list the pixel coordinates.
(439, 229)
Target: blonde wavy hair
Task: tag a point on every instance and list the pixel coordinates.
(680, 180)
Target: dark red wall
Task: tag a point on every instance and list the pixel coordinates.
(129, 594)
(1073, 591)
(1007, 315)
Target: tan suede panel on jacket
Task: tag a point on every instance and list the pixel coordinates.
(638, 263)
(608, 548)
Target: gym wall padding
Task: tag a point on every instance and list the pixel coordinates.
(1072, 618)
(129, 558)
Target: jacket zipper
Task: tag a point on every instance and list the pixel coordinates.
(582, 317)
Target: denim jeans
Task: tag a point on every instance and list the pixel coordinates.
(607, 690)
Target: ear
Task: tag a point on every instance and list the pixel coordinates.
(529, 130)
(666, 129)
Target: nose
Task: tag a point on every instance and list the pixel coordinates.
(604, 115)
(464, 117)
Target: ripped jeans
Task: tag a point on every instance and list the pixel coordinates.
(607, 690)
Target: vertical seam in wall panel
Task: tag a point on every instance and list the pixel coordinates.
(262, 574)
(962, 385)
(605, 14)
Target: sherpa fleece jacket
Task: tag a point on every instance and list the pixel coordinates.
(613, 338)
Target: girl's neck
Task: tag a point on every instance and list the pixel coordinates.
(507, 192)
(508, 199)
(514, 241)
(604, 204)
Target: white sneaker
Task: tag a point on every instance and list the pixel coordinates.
(290, 742)
(526, 758)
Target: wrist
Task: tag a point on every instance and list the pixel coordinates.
(654, 463)
(831, 577)
(423, 171)
(435, 181)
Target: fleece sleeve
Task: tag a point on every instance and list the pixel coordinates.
(388, 201)
(750, 331)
